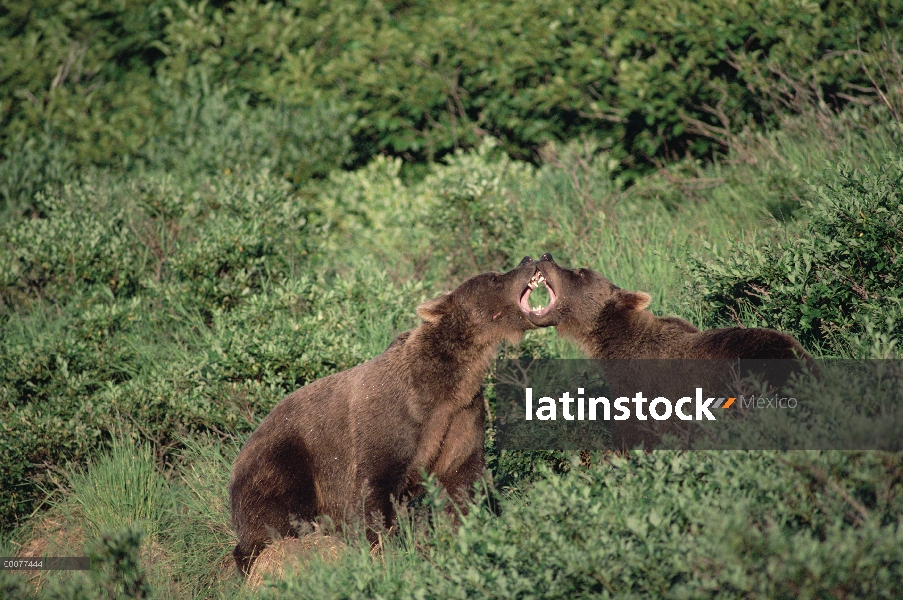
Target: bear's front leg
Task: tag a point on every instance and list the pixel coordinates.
(377, 513)
(461, 461)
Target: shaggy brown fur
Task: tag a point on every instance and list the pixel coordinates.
(612, 324)
(345, 445)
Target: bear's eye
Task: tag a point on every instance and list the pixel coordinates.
(495, 279)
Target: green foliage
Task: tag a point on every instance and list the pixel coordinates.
(121, 569)
(420, 80)
(211, 131)
(199, 532)
(179, 303)
(250, 231)
(52, 371)
(120, 236)
(122, 489)
(74, 246)
(116, 571)
(667, 524)
(30, 169)
(476, 225)
(826, 286)
(81, 72)
(426, 79)
(176, 303)
(461, 217)
(219, 257)
(64, 389)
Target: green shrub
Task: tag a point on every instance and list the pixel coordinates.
(214, 132)
(465, 215)
(373, 213)
(476, 220)
(426, 79)
(116, 571)
(36, 165)
(78, 242)
(81, 72)
(120, 236)
(420, 80)
(843, 536)
(825, 285)
(53, 372)
(665, 524)
(250, 231)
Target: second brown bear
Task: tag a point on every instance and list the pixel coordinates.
(613, 326)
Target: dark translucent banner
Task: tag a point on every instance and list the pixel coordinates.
(44, 563)
(544, 404)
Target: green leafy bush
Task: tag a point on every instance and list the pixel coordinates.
(212, 131)
(36, 165)
(665, 524)
(221, 253)
(124, 235)
(420, 80)
(463, 216)
(116, 571)
(250, 230)
(476, 220)
(825, 285)
(81, 72)
(53, 370)
(73, 245)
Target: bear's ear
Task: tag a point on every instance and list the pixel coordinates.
(634, 300)
(432, 310)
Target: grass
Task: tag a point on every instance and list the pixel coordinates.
(124, 488)
(200, 531)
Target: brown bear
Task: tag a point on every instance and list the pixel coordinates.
(612, 324)
(344, 446)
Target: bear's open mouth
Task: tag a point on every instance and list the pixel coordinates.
(535, 282)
